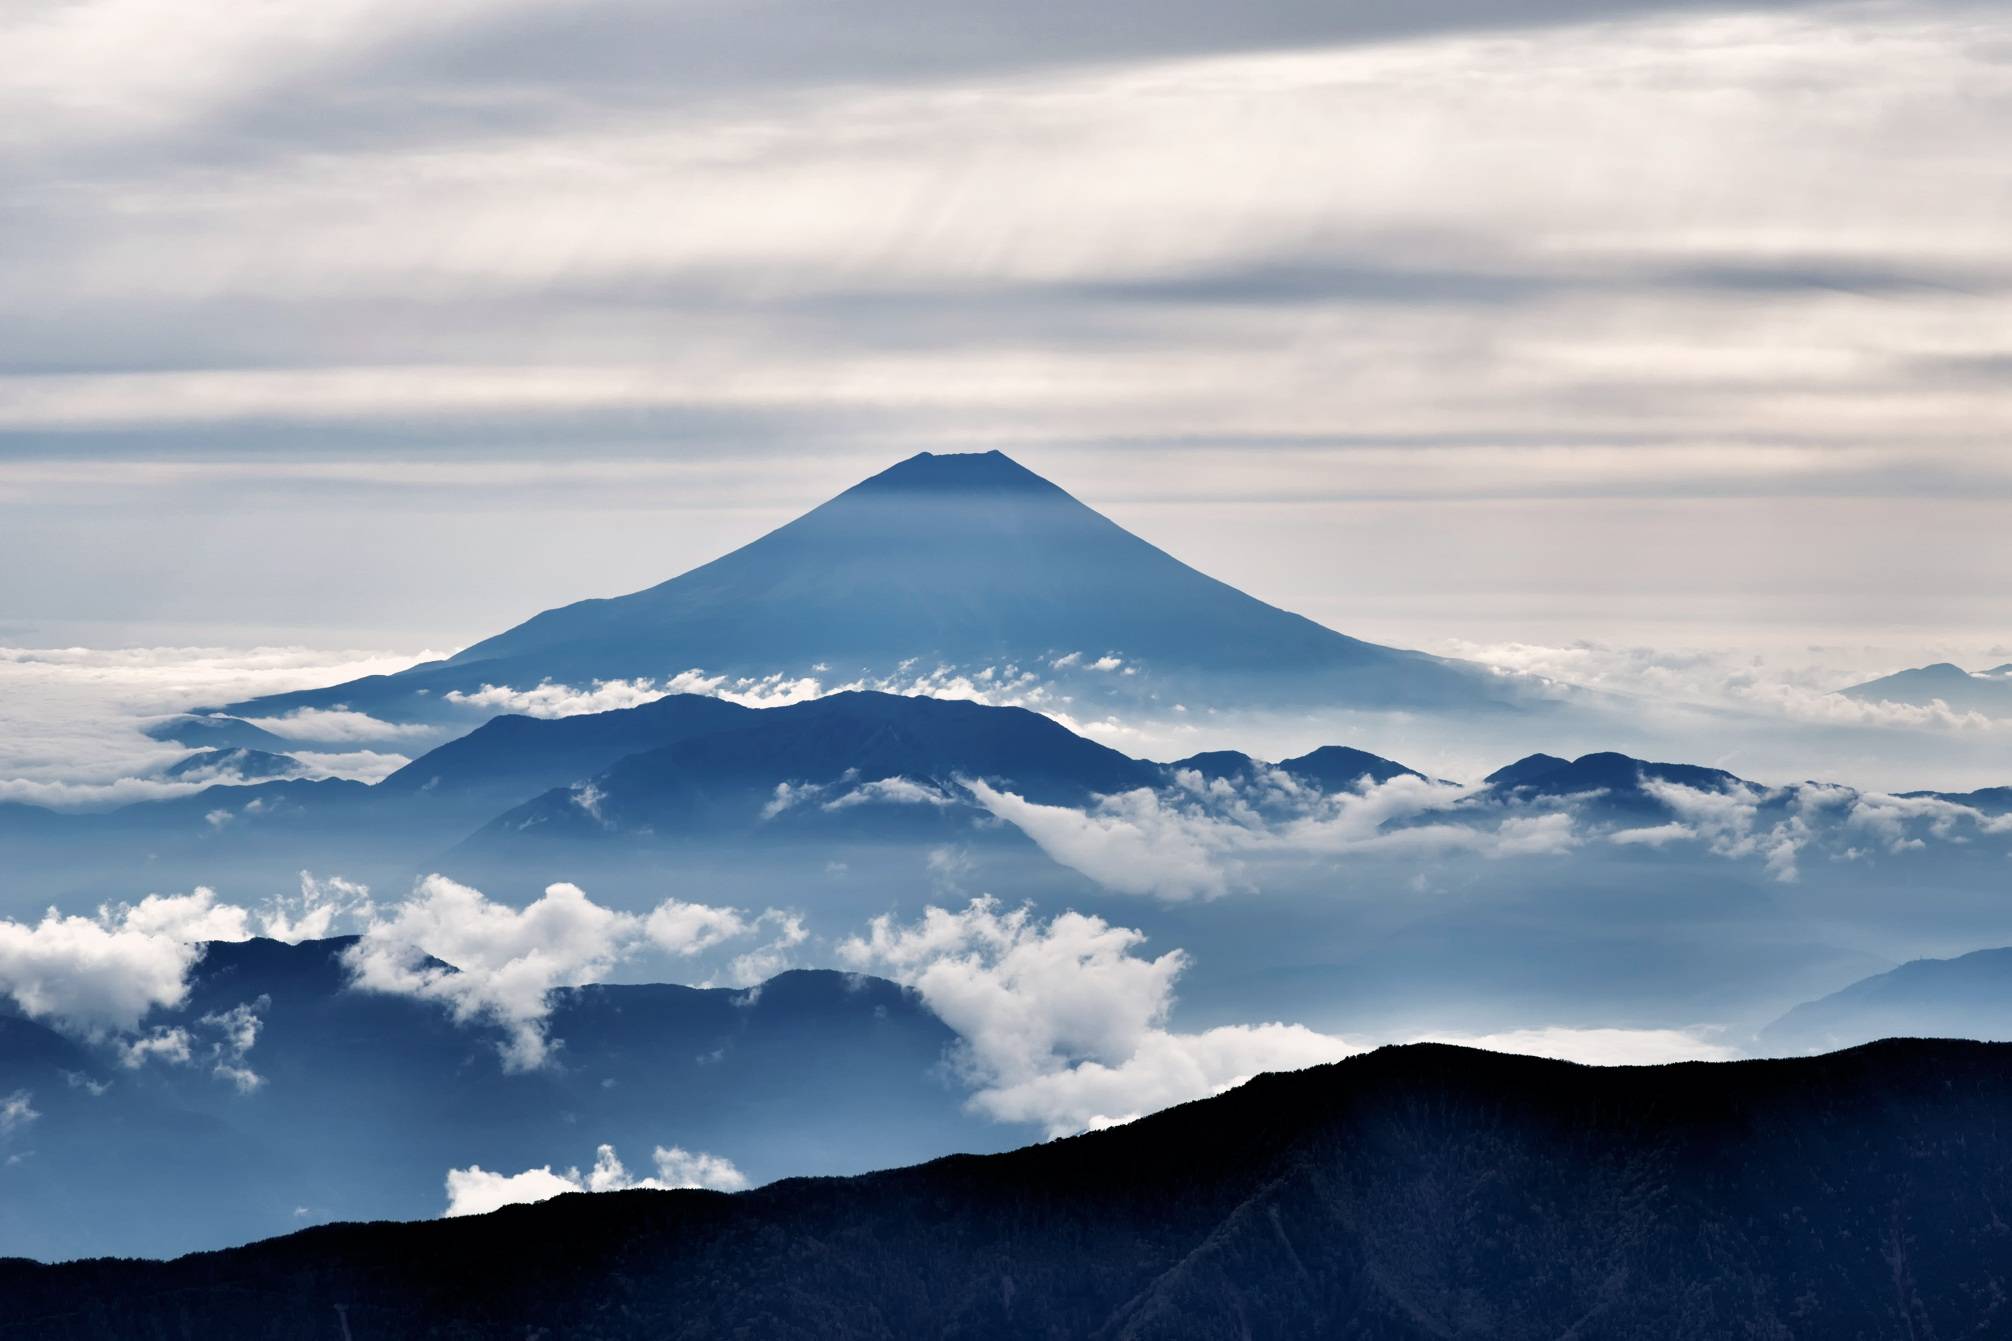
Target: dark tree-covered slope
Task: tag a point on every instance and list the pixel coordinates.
(1424, 1191)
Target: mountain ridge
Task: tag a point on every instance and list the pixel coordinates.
(1414, 1191)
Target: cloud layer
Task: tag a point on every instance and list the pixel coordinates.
(1210, 264)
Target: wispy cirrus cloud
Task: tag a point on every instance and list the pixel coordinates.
(1242, 239)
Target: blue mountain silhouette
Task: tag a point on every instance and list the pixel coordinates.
(836, 746)
(964, 560)
(1988, 691)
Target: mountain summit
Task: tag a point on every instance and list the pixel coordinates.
(957, 560)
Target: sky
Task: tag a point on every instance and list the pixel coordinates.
(1450, 323)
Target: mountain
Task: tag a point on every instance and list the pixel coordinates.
(213, 731)
(510, 759)
(1987, 800)
(961, 560)
(1988, 692)
(235, 764)
(1969, 996)
(1335, 768)
(1414, 1192)
(852, 760)
(1616, 778)
(365, 1100)
(1330, 768)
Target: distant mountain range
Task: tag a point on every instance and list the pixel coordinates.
(1969, 996)
(968, 561)
(364, 1101)
(692, 769)
(1417, 1192)
(1988, 692)
(685, 768)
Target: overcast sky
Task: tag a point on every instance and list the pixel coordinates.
(1431, 318)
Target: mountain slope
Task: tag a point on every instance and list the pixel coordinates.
(364, 1100)
(1988, 692)
(1420, 1192)
(510, 760)
(1617, 784)
(1969, 996)
(823, 759)
(964, 560)
(1335, 768)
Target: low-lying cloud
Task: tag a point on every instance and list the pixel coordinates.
(477, 1191)
(1200, 840)
(489, 963)
(73, 719)
(1063, 1022)
(337, 726)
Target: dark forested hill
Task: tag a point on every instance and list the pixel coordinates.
(1423, 1191)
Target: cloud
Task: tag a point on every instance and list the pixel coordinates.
(681, 1168)
(1062, 1022)
(1758, 681)
(221, 1040)
(357, 765)
(551, 699)
(17, 1110)
(1653, 835)
(336, 724)
(889, 791)
(103, 974)
(681, 928)
(1110, 255)
(312, 914)
(1729, 824)
(560, 700)
(476, 1191)
(1165, 1069)
(167, 1043)
(196, 916)
(786, 932)
(1130, 842)
(1197, 840)
(488, 963)
(74, 717)
(500, 963)
(996, 685)
(1898, 822)
(847, 792)
(236, 1031)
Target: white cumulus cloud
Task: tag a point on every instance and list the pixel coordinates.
(1063, 1022)
(489, 963)
(477, 1191)
(103, 974)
